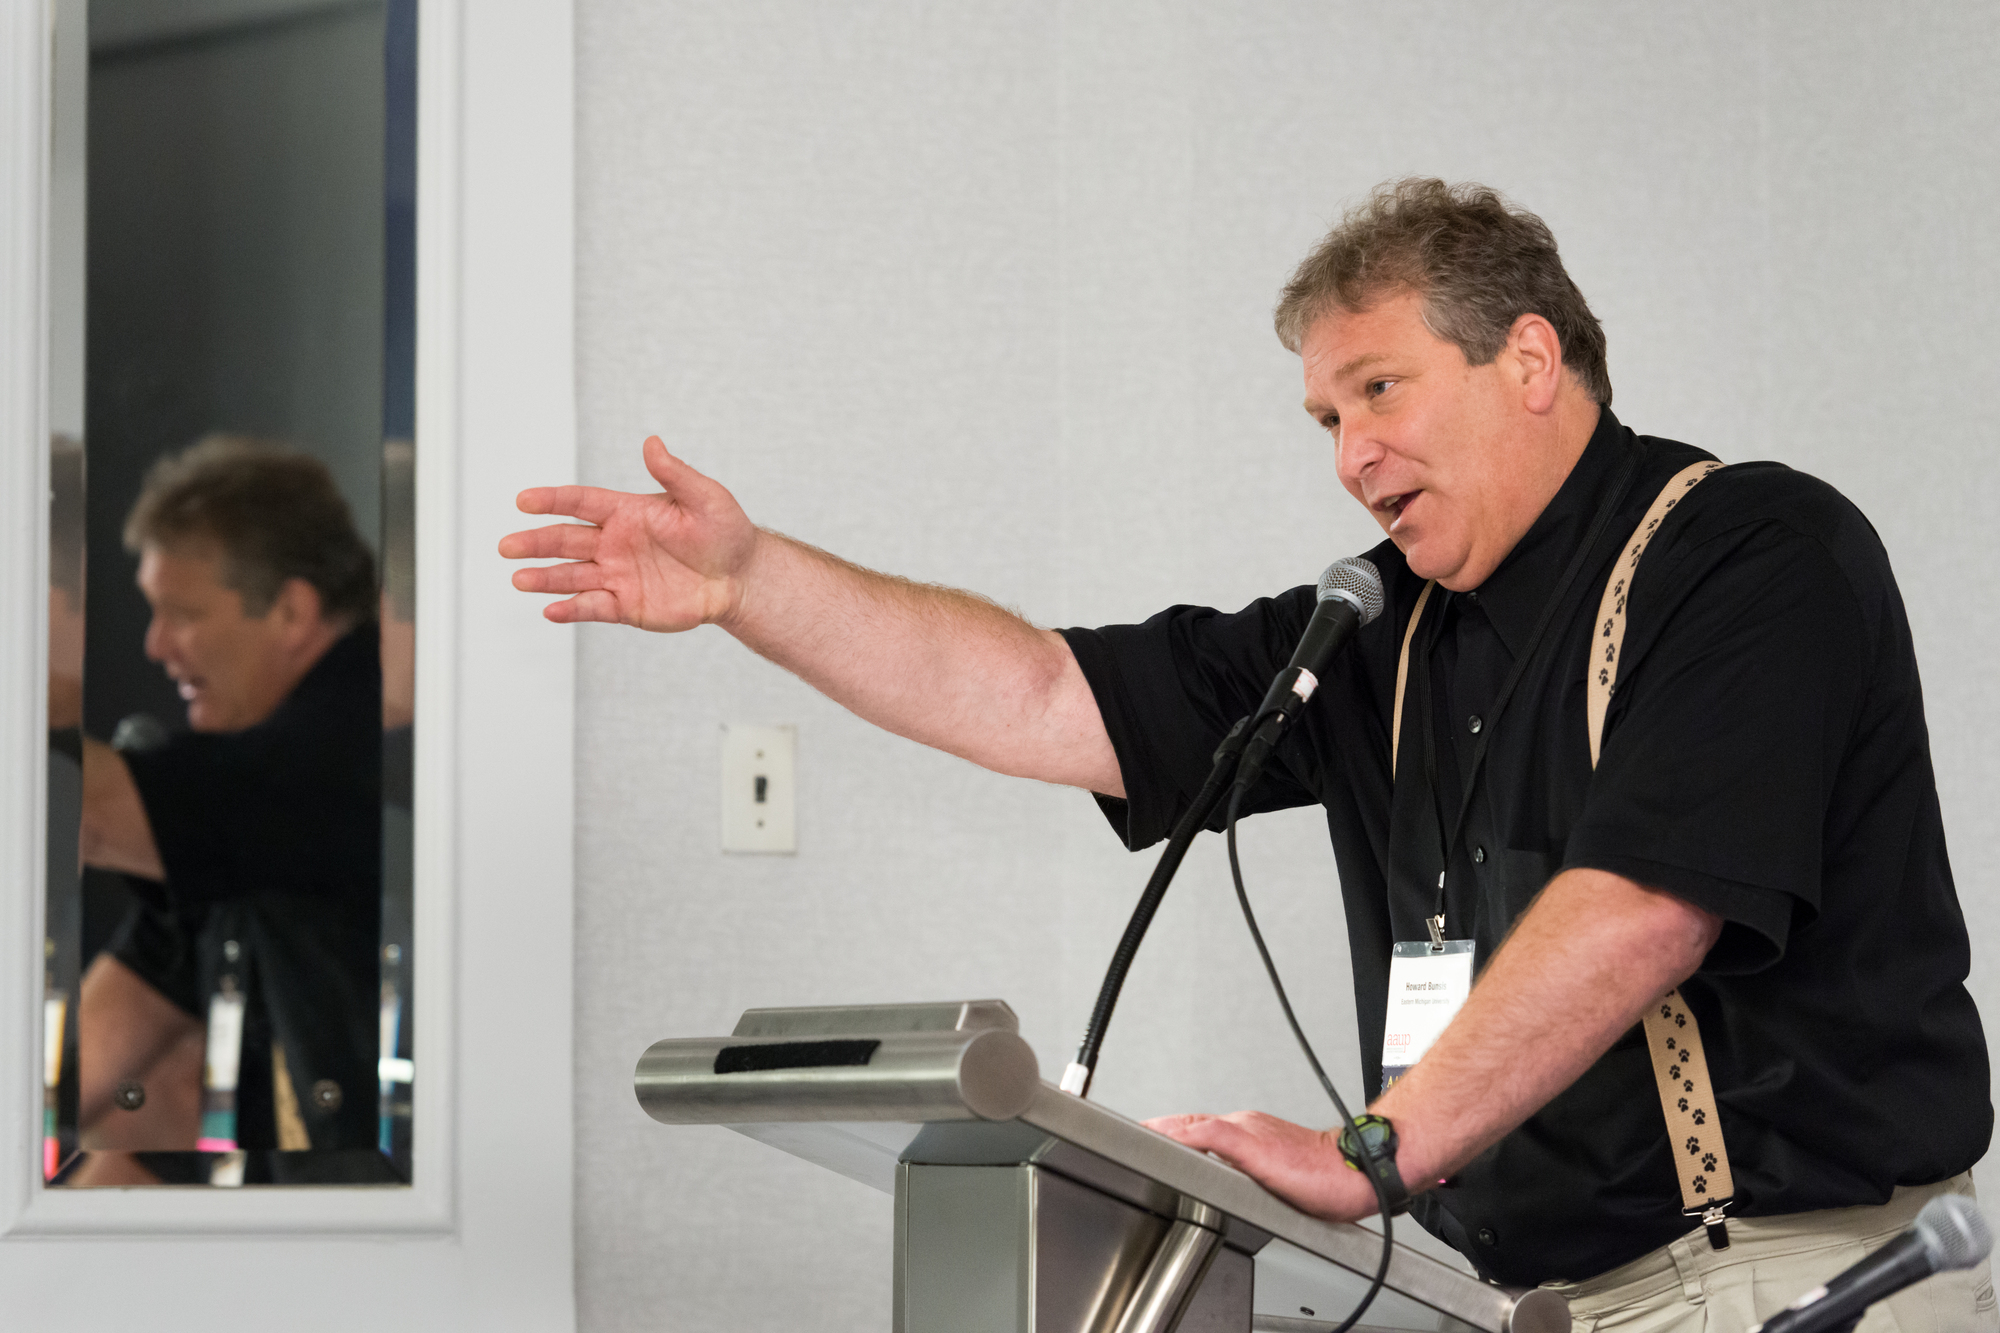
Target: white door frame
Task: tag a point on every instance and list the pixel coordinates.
(483, 1237)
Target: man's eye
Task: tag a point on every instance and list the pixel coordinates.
(1331, 421)
(1379, 386)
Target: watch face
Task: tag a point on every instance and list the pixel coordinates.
(1380, 1137)
(1376, 1132)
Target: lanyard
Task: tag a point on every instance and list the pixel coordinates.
(1448, 842)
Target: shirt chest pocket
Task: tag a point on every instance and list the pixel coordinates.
(1521, 874)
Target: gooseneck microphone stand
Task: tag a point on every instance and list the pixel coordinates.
(1077, 1077)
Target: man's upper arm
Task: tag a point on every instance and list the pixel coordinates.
(1727, 732)
(1167, 690)
(1089, 760)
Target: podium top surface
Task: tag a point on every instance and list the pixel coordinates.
(847, 1019)
(861, 1089)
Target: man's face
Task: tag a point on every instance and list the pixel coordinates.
(233, 670)
(1431, 445)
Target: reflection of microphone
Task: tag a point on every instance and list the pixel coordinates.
(1949, 1233)
(1350, 595)
(140, 733)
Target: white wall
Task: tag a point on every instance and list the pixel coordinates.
(981, 296)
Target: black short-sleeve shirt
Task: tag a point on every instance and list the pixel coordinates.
(271, 839)
(1765, 757)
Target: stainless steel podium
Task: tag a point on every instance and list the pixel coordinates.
(1023, 1209)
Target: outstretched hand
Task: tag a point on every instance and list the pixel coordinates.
(1301, 1166)
(667, 561)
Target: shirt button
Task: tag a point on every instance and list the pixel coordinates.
(1479, 856)
(1486, 1236)
(1474, 724)
(1473, 596)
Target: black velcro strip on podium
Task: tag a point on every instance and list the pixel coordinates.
(794, 1055)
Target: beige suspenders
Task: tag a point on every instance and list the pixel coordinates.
(1610, 635)
(1403, 677)
(1673, 1038)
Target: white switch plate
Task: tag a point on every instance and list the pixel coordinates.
(759, 788)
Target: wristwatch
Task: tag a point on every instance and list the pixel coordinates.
(1375, 1155)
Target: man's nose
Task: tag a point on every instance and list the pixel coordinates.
(1355, 454)
(155, 641)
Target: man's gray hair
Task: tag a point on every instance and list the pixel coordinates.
(1478, 263)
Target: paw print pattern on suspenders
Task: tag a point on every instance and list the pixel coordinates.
(1673, 1038)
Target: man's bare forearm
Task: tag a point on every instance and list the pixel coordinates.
(1578, 970)
(946, 668)
(115, 833)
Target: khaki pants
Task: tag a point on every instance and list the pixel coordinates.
(1686, 1287)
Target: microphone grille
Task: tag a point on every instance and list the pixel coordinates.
(1953, 1232)
(1354, 580)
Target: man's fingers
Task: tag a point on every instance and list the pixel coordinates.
(1209, 1133)
(592, 504)
(579, 577)
(560, 541)
(595, 605)
(666, 469)
(692, 491)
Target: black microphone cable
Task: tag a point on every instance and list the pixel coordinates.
(1319, 1071)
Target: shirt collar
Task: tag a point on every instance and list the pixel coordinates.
(1512, 598)
(354, 659)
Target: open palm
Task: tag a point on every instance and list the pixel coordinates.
(667, 561)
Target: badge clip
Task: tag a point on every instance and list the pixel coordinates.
(1436, 925)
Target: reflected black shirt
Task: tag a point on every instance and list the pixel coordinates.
(272, 839)
(1765, 757)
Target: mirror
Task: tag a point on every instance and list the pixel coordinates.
(231, 604)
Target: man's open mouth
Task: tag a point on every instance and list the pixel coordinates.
(1393, 506)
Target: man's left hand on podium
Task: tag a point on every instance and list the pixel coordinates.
(1580, 966)
(1301, 1166)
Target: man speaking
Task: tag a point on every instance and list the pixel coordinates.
(1678, 811)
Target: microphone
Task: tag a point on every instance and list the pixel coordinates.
(1949, 1233)
(1350, 596)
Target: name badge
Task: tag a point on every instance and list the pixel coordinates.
(1428, 984)
(224, 1063)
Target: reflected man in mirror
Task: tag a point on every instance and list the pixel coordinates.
(240, 992)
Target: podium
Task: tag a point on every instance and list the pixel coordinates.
(1023, 1209)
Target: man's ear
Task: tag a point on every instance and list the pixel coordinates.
(1535, 356)
(298, 609)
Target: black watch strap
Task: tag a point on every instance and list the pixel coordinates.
(1375, 1154)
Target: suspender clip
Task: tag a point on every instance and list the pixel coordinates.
(1712, 1220)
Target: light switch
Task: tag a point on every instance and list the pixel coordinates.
(759, 786)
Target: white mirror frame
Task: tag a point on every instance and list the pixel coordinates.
(483, 1236)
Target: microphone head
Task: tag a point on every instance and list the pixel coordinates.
(1355, 581)
(1953, 1232)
